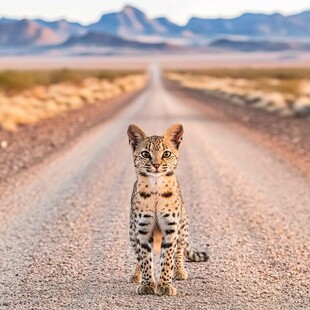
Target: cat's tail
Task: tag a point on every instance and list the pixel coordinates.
(195, 256)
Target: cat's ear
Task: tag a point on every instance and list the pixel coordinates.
(175, 134)
(135, 135)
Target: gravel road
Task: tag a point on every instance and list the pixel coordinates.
(64, 222)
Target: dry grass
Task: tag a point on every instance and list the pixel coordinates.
(284, 80)
(27, 97)
(13, 81)
(253, 73)
(285, 90)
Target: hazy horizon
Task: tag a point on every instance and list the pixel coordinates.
(182, 9)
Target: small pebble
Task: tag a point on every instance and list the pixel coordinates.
(3, 144)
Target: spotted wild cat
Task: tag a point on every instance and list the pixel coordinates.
(158, 216)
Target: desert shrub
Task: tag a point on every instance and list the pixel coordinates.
(253, 73)
(13, 81)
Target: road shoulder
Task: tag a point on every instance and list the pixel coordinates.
(287, 137)
(31, 145)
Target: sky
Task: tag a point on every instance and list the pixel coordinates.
(178, 11)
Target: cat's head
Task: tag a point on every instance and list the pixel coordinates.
(155, 155)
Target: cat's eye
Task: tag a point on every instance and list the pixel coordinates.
(166, 154)
(145, 154)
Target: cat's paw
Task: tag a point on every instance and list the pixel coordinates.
(146, 289)
(168, 290)
(180, 274)
(135, 278)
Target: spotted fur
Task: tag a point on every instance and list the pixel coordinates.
(158, 217)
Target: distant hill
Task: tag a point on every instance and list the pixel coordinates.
(132, 22)
(4, 20)
(97, 39)
(254, 25)
(256, 46)
(132, 27)
(26, 33)
(63, 28)
(169, 27)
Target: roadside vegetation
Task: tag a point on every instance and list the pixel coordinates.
(13, 81)
(253, 73)
(282, 90)
(27, 97)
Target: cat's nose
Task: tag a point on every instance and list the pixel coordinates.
(156, 165)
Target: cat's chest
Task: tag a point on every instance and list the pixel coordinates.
(155, 200)
(161, 193)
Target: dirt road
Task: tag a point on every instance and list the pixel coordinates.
(64, 223)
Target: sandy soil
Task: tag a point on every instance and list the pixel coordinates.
(182, 60)
(64, 222)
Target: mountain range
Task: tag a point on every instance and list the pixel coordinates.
(133, 30)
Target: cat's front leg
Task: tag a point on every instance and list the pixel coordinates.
(179, 270)
(168, 226)
(144, 234)
(136, 276)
